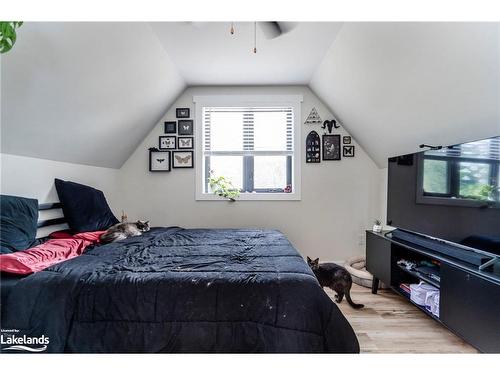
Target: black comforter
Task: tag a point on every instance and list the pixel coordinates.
(177, 290)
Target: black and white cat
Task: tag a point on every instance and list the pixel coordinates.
(121, 231)
(334, 277)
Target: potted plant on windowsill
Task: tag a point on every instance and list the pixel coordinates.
(377, 226)
(223, 187)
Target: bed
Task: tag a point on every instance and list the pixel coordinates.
(176, 290)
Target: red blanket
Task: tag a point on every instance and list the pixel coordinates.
(61, 246)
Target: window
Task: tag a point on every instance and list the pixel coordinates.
(436, 178)
(253, 142)
(466, 174)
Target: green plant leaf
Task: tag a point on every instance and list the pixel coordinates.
(223, 187)
(8, 34)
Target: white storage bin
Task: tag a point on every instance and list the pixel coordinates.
(432, 303)
(418, 292)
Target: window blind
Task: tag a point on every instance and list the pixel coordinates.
(247, 131)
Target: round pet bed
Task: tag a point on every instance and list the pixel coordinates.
(356, 267)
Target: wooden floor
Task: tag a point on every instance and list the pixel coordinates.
(390, 324)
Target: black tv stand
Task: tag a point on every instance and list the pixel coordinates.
(478, 258)
(469, 296)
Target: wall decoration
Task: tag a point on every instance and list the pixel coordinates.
(346, 139)
(182, 159)
(331, 147)
(313, 148)
(167, 142)
(348, 151)
(182, 112)
(185, 142)
(330, 124)
(170, 127)
(313, 118)
(185, 127)
(159, 161)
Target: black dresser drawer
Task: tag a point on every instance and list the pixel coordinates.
(470, 306)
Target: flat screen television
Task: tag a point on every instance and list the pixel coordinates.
(450, 193)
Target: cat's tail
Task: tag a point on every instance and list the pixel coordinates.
(107, 237)
(350, 301)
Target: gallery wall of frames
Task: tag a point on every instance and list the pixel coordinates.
(334, 146)
(175, 146)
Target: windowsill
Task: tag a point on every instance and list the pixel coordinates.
(462, 202)
(252, 197)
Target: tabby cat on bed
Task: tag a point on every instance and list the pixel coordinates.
(336, 278)
(121, 231)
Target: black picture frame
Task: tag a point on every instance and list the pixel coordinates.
(182, 112)
(181, 143)
(346, 139)
(348, 151)
(170, 127)
(185, 127)
(313, 148)
(171, 146)
(331, 147)
(157, 165)
(176, 163)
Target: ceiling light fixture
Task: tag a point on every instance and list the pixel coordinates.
(232, 28)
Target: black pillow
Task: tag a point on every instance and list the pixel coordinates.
(84, 207)
(18, 219)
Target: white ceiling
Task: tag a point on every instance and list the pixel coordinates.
(207, 54)
(89, 92)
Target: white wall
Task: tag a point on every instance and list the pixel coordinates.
(339, 198)
(34, 178)
(383, 178)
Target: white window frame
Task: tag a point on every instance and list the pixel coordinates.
(293, 101)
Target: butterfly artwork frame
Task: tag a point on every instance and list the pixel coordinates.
(182, 112)
(159, 161)
(182, 159)
(348, 151)
(185, 143)
(185, 127)
(167, 142)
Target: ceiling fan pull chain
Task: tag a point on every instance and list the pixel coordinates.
(255, 37)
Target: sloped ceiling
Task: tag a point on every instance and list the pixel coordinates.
(397, 85)
(85, 93)
(89, 92)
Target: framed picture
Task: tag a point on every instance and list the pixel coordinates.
(348, 151)
(185, 127)
(159, 161)
(331, 147)
(346, 139)
(185, 142)
(167, 142)
(170, 127)
(182, 112)
(182, 159)
(313, 148)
